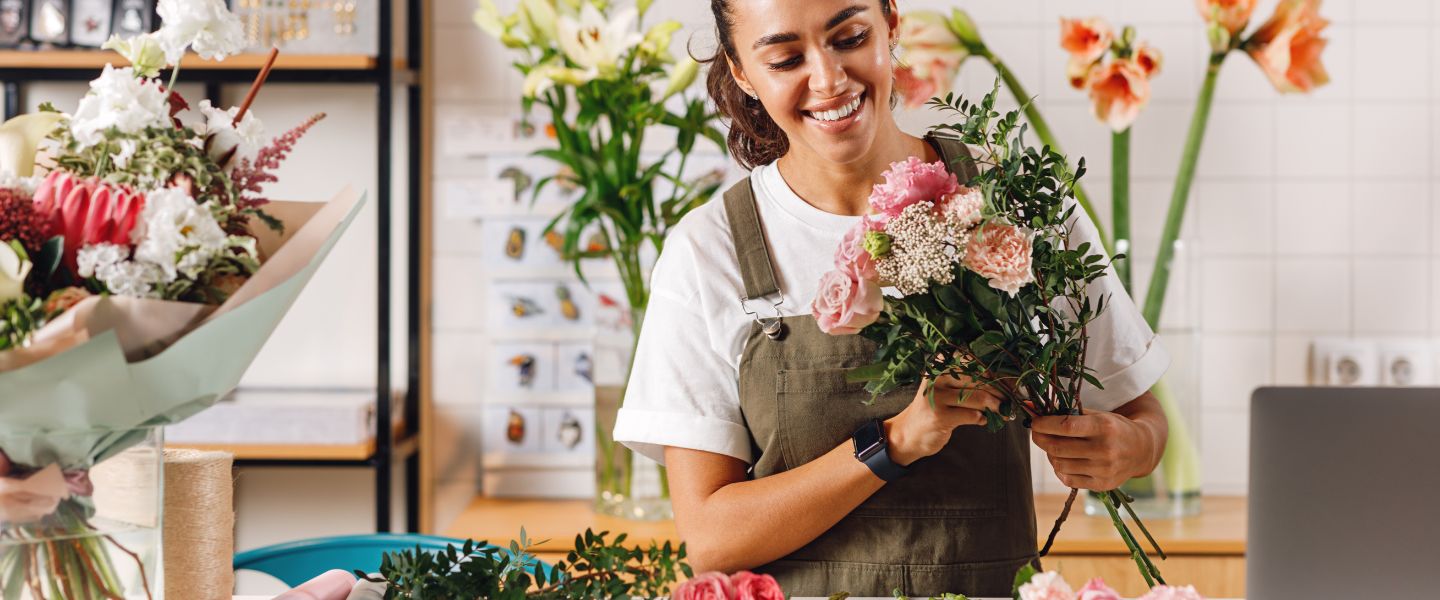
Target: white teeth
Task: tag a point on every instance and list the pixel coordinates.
(839, 113)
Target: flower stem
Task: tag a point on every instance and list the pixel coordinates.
(1160, 278)
(1120, 199)
(174, 76)
(1047, 136)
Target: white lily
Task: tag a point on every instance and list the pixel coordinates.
(656, 44)
(680, 77)
(538, 17)
(20, 138)
(593, 43)
(14, 267)
(544, 77)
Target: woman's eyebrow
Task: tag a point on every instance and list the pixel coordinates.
(835, 21)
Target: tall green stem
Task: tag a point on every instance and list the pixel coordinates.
(1120, 199)
(1160, 279)
(1047, 136)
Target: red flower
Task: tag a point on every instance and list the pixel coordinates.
(19, 221)
(87, 211)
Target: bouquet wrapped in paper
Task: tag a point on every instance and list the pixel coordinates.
(141, 271)
(986, 284)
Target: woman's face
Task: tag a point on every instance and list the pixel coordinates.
(822, 69)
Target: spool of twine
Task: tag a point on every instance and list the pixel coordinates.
(199, 525)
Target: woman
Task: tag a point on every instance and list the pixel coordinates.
(760, 432)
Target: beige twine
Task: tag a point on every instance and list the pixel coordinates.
(199, 530)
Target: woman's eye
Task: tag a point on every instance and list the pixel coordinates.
(852, 42)
(784, 64)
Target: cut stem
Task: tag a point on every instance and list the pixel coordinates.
(1064, 513)
(1120, 200)
(255, 87)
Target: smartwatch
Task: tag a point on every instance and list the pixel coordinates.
(872, 448)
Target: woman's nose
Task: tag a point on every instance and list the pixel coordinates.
(827, 76)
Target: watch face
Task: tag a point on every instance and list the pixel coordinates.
(869, 439)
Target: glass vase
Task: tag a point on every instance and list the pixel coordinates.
(1173, 489)
(80, 515)
(627, 485)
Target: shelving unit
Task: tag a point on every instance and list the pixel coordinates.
(386, 72)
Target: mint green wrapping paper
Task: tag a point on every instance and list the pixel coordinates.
(93, 386)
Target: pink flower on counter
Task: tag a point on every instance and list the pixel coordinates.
(705, 586)
(1096, 589)
(1086, 40)
(749, 586)
(929, 56)
(1046, 586)
(1288, 46)
(1232, 14)
(1165, 592)
(87, 211)
(1001, 254)
(851, 256)
(1118, 91)
(910, 181)
(844, 305)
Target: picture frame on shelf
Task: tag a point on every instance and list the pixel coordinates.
(91, 22)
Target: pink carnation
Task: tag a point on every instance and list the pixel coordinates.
(1001, 253)
(845, 305)
(851, 256)
(749, 586)
(963, 206)
(1046, 586)
(705, 586)
(1165, 592)
(1097, 590)
(909, 181)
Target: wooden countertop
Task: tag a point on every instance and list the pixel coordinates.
(1219, 529)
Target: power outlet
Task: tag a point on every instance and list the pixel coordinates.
(1406, 362)
(1344, 362)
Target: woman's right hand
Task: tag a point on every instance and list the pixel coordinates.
(923, 429)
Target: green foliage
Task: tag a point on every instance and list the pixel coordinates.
(595, 568)
(1022, 577)
(19, 317)
(1030, 347)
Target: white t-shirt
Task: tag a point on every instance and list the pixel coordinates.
(684, 388)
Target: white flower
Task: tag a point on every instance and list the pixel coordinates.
(206, 26)
(127, 150)
(143, 51)
(13, 270)
(225, 142)
(543, 77)
(923, 250)
(96, 257)
(177, 235)
(594, 44)
(130, 278)
(117, 99)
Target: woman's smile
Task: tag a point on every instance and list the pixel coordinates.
(837, 115)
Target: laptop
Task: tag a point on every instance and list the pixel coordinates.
(1344, 493)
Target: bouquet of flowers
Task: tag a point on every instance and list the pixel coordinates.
(986, 284)
(141, 270)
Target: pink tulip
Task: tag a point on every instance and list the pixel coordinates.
(749, 586)
(87, 211)
(1086, 40)
(1232, 14)
(1288, 46)
(845, 305)
(1119, 89)
(705, 586)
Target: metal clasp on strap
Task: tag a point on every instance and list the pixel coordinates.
(774, 327)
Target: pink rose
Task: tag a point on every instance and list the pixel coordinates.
(909, 181)
(32, 498)
(1119, 89)
(1001, 253)
(845, 305)
(1097, 590)
(1288, 46)
(1046, 586)
(1165, 592)
(851, 256)
(963, 207)
(705, 586)
(749, 586)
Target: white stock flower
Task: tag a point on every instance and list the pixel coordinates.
(177, 235)
(206, 26)
(223, 137)
(127, 150)
(130, 278)
(96, 257)
(595, 44)
(118, 99)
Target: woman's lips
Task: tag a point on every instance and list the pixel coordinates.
(840, 125)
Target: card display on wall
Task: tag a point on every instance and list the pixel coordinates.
(522, 367)
(547, 305)
(531, 172)
(575, 367)
(568, 430)
(510, 429)
(533, 432)
(521, 242)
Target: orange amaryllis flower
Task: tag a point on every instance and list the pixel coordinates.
(1230, 14)
(1086, 40)
(1148, 57)
(930, 56)
(1288, 46)
(1119, 89)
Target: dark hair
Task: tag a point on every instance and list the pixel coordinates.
(754, 137)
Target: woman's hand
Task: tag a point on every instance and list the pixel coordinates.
(1101, 450)
(922, 429)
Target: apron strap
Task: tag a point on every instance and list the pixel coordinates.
(756, 269)
(956, 156)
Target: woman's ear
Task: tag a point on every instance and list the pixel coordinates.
(738, 74)
(893, 19)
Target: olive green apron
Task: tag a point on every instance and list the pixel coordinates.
(960, 521)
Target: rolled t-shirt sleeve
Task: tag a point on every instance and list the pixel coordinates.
(1124, 354)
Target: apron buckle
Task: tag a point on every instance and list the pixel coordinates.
(773, 327)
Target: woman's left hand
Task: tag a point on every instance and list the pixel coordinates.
(1097, 450)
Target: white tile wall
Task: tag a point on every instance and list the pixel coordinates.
(1311, 215)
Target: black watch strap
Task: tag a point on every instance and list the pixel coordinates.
(876, 454)
(884, 468)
